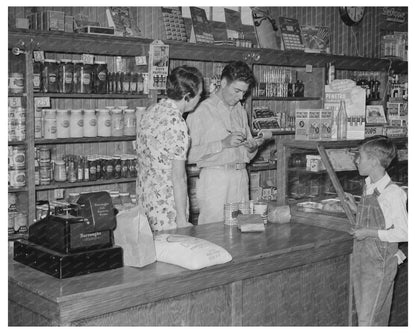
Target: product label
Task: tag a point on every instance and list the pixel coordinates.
(65, 123)
(52, 78)
(68, 78)
(80, 123)
(107, 123)
(93, 122)
(36, 81)
(102, 76)
(86, 78)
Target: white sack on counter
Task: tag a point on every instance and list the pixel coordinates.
(134, 235)
(189, 252)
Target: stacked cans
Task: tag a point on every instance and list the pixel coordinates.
(17, 166)
(44, 157)
(17, 120)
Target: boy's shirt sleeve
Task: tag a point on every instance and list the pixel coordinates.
(393, 205)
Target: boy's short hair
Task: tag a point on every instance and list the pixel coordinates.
(380, 147)
(239, 71)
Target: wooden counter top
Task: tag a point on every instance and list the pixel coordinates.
(279, 247)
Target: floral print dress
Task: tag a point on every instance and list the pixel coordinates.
(162, 136)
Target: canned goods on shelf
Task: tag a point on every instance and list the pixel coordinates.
(62, 123)
(104, 122)
(117, 123)
(17, 157)
(76, 127)
(129, 122)
(17, 178)
(16, 83)
(90, 123)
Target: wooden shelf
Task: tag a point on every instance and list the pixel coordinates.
(91, 96)
(17, 143)
(84, 140)
(264, 98)
(320, 172)
(275, 132)
(65, 42)
(14, 190)
(335, 144)
(54, 185)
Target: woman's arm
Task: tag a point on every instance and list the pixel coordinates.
(180, 192)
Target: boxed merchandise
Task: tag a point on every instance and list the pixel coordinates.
(302, 124)
(373, 130)
(314, 132)
(326, 124)
(355, 99)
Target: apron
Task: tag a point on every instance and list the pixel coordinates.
(374, 266)
(216, 187)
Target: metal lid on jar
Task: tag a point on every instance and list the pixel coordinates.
(98, 62)
(89, 110)
(117, 110)
(129, 111)
(59, 162)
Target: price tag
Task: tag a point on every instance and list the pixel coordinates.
(87, 58)
(308, 68)
(141, 60)
(38, 55)
(42, 102)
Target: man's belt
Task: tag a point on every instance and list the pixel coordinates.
(230, 166)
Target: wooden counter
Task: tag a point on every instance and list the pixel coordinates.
(291, 274)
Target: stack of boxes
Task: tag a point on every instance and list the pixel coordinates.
(51, 20)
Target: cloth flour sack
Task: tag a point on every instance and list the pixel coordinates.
(134, 235)
(189, 252)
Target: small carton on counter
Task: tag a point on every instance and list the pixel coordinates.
(314, 132)
(302, 124)
(326, 124)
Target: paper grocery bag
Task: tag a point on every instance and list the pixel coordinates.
(134, 235)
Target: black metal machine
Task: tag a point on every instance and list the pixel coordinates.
(76, 243)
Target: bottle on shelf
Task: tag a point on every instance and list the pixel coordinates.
(342, 121)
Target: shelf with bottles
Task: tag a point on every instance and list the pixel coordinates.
(15, 190)
(84, 140)
(92, 96)
(98, 182)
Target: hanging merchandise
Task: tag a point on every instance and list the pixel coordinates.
(158, 64)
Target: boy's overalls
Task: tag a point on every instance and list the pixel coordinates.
(374, 266)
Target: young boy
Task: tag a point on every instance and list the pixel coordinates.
(381, 223)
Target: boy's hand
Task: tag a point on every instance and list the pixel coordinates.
(251, 145)
(349, 198)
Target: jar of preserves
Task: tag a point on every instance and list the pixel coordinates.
(37, 69)
(92, 166)
(50, 75)
(100, 79)
(124, 167)
(109, 167)
(62, 123)
(59, 171)
(104, 122)
(132, 166)
(129, 122)
(78, 71)
(133, 83)
(125, 78)
(118, 89)
(66, 76)
(87, 79)
(90, 123)
(117, 166)
(76, 128)
(117, 124)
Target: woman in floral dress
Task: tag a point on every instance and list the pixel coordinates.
(162, 146)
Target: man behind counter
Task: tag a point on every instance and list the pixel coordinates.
(222, 144)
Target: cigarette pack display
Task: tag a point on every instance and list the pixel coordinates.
(302, 124)
(326, 124)
(314, 129)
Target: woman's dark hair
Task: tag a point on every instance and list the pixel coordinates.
(183, 80)
(239, 71)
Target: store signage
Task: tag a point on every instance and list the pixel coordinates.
(158, 65)
(394, 14)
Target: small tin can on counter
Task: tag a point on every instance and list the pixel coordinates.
(260, 207)
(230, 213)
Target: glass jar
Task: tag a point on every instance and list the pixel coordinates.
(134, 82)
(125, 79)
(109, 167)
(129, 122)
(50, 75)
(124, 167)
(115, 197)
(92, 166)
(90, 124)
(117, 124)
(104, 122)
(16, 83)
(59, 171)
(117, 166)
(62, 123)
(37, 70)
(87, 79)
(100, 79)
(78, 73)
(66, 76)
(76, 127)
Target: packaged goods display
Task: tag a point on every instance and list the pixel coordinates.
(16, 121)
(75, 123)
(16, 83)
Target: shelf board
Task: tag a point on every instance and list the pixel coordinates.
(264, 98)
(320, 172)
(275, 132)
(17, 95)
(54, 185)
(305, 144)
(66, 42)
(84, 140)
(14, 190)
(17, 236)
(17, 143)
(91, 96)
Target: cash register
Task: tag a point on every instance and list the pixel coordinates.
(79, 241)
